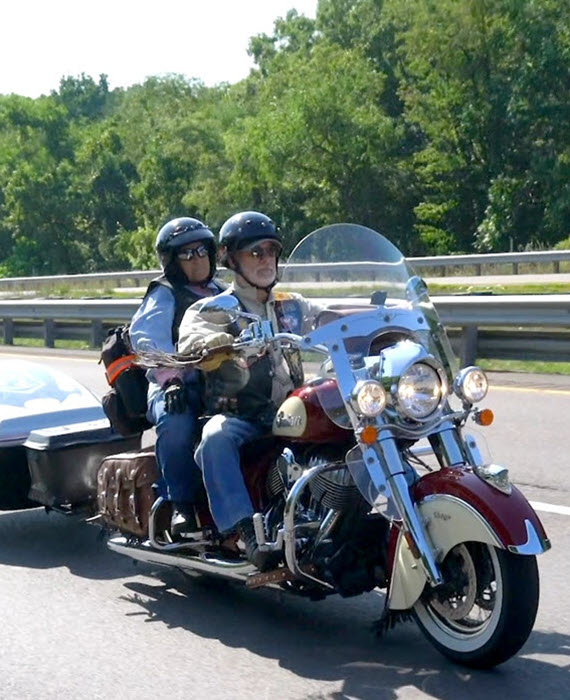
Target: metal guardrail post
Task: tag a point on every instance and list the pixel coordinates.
(8, 325)
(97, 333)
(49, 333)
(469, 335)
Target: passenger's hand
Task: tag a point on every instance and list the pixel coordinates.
(216, 340)
(175, 396)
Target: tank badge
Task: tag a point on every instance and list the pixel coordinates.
(286, 420)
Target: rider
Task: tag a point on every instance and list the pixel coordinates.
(186, 251)
(244, 400)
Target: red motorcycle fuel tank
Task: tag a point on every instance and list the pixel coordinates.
(301, 416)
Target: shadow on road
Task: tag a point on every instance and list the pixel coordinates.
(38, 540)
(332, 641)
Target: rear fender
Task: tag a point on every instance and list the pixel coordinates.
(457, 506)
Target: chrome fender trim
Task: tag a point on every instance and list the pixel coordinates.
(534, 543)
(449, 521)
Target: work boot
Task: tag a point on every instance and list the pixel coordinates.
(183, 522)
(264, 561)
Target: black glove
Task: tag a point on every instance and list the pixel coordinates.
(175, 396)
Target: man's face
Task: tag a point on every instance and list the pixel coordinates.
(259, 263)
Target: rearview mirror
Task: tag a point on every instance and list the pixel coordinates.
(220, 310)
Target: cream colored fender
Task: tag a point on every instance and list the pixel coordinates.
(448, 521)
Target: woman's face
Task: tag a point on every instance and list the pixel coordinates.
(194, 261)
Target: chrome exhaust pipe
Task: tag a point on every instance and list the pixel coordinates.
(199, 562)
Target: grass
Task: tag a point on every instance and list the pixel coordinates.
(525, 366)
(436, 289)
(59, 344)
(354, 289)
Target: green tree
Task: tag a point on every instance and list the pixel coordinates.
(320, 148)
(482, 81)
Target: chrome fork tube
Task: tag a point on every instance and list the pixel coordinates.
(449, 445)
(387, 457)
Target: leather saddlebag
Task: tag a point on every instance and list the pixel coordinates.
(124, 490)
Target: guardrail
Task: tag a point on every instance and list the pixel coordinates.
(140, 278)
(500, 327)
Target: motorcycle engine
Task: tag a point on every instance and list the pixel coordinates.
(334, 489)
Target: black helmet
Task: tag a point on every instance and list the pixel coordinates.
(178, 233)
(241, 230)
(247, 227)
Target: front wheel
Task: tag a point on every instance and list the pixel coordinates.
(485, 610)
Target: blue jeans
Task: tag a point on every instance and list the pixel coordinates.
(175, 436)
(219, 459)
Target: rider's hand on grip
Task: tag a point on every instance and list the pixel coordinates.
(175, 396)
(215, 340)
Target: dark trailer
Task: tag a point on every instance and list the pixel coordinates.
(53, 436)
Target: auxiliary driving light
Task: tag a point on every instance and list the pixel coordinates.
(370, 397)
(471, 384)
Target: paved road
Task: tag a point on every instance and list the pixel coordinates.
(79, 621)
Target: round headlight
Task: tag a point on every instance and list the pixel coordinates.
(370, 398)
(420, 391)
(471, 384)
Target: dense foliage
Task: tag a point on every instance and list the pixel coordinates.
(442, 123)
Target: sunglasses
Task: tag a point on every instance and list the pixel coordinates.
(201, 251)
(271, 250)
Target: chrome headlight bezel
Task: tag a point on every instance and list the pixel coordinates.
(369, 398)
(466, 383)
(403, 398)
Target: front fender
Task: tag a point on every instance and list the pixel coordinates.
(457, 506)
(506, 514)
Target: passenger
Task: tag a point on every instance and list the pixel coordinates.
(244, 400)
(186, 250)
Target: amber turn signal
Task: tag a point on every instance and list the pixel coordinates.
(485, 417)
(369, 435)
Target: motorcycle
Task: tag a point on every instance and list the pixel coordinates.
(371, 477)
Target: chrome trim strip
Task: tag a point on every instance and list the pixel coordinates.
(423, 430)
(534, 543)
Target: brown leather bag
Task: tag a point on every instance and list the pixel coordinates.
(124, 490)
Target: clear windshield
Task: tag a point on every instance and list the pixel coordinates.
(353, 261)
(373, 299)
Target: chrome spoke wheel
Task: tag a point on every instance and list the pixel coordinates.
(484, 611)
